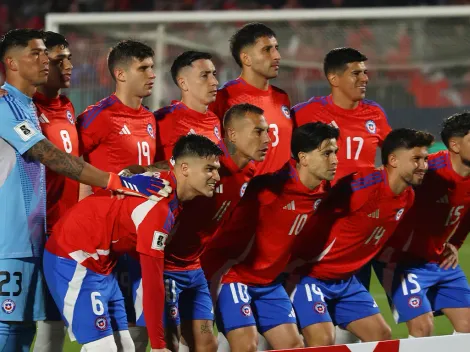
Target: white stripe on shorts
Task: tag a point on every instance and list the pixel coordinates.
(139, 304)
(72, 295)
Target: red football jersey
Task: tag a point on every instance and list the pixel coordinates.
(361, 129)
(358, 217)
(276, 210)
(114, 136)
(276, 106)
(98, 229)
(178, 120)
(441, 203)
(201, 217)
(57, 119)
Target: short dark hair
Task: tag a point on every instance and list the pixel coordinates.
(124, 51)
(310, 136)
(457, 125)
(406, 138)
(195, 145)
(338, 59)
(18, 38)
(248, 35)
(239, 111)
(186, 59)
(52, 39)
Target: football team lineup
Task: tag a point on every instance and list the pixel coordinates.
(230, 219)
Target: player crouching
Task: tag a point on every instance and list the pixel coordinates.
(85, 244)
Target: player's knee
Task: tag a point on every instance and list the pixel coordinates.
(124, 341)
(210, 344)
(421, 326)
(16, 337)
(319, 335)
(384, 333)
(106, 344)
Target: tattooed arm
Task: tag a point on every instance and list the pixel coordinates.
(68, 165)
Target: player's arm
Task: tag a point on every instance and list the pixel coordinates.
(92, 129)
(151, 238)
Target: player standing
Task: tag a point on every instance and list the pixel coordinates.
(359, 215)
(25, 150)
(188, 301)
(413, 268)
(255, 49)
(86, 242)
(274, 209)
(195, 75)
(119, 131)
(363, 123)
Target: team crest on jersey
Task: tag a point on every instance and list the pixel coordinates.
(101, 323)
(285, 111)
(370, 126)
(150, 130)
(316, 204)
(243, 189)
(173, 312)
(414, 302)
(8, 306)
(399, 214)
(320, 308)
(70, 117)
(217, 132)
(246, 310)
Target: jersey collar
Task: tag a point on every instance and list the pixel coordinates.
(15, 92)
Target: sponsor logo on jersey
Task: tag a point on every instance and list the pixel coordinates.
(217, 132)
(25, 131)
(150, 130)
(243, 189)
(414, 302)
(320, 308)
(289, 206)
(292, 313)
(285, 110)
(443, 200)
(316, 204)
(370, 126)
(43, 119)
(125, 130)
(70, 117)
(101, 323)
(399, 214)
(8, 306)
(374, 214)
(191, 131)
(246, 310)
(174, 312)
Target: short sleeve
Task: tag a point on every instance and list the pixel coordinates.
(92, 129)
(150, 218)
(16, 128)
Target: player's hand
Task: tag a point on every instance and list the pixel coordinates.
(132, 170)
(3, 92)
(142, 185)
(451, 257)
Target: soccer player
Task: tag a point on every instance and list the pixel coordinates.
(363, 123)
(85, 244)
(188, 301)
(24, 151)
(195, 75)
(119, 131)
(274, 209)
(255, 49)
(361, 212)
(414, 268)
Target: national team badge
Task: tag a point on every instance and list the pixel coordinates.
(320, 308)
(243, 189)
(414, 302)
(150, 130)
(101, 323)
(399, 214)
(8, 306)
(370, 126)
(316, 204)
(217, 132)
(246, 310)
(70, 117)
(174, 312)
(285, 111)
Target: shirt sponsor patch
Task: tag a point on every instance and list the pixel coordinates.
(159, 239)
(25, 130)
